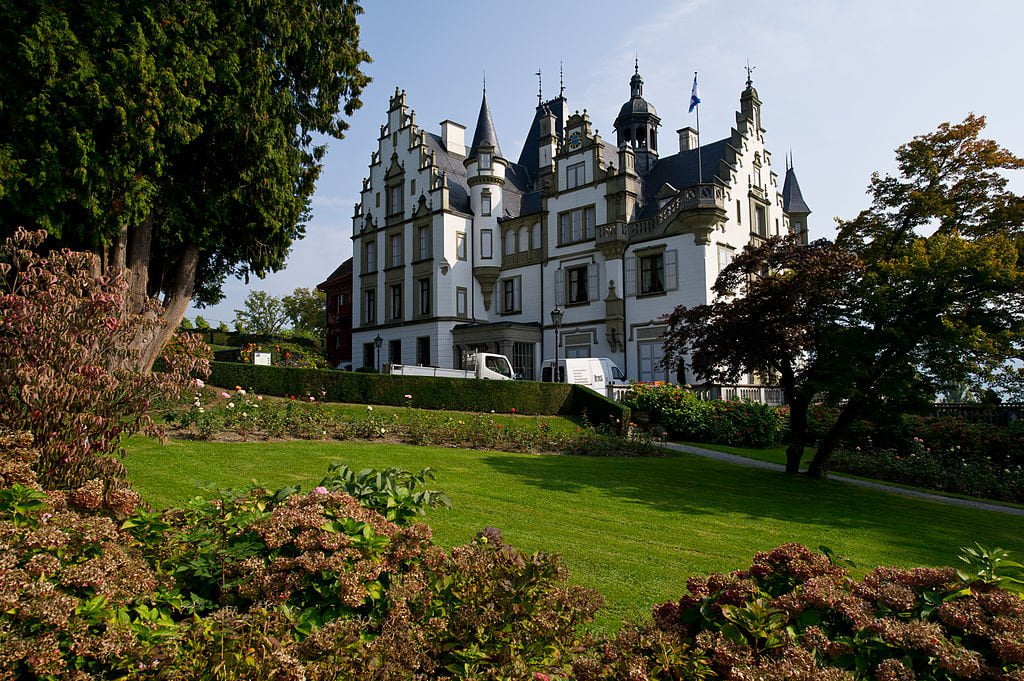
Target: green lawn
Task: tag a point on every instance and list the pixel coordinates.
(634, 529)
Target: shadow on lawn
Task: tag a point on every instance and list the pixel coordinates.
(691, 486)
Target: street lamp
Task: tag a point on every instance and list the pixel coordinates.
(556, 319)
(377, 342)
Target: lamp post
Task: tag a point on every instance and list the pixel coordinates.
(377, 342)
(556, 319)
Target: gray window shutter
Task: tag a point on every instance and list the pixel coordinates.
(671, 276)
(592, 290)
(560, 286)
(630, 276)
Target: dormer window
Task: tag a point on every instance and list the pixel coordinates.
(485, 161)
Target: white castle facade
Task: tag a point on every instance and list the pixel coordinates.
(458, 247)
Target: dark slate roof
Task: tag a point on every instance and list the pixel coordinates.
(453, 168)
(485, 130)
(344, 270)
(680, 170)
(792, 199)
(529, 158)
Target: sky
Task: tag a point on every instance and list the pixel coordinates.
(842, 84)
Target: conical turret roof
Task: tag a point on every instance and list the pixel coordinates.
(792, 199)
(485, 132)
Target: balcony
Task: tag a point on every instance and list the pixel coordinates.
(694, 199)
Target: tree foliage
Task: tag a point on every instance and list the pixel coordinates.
(65, 362)
(306, 310)
(263, 314)
(175, 139)
(923, 290)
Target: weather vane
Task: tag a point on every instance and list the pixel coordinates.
(540, 88)
(750, 72)
(561, 80)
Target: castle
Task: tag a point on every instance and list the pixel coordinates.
(458, 247)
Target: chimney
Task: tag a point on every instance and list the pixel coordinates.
(687, 138)
(454, 137)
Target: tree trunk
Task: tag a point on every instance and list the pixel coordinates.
(797, 433)
(137, 264)
(819, 465)
(175, 303)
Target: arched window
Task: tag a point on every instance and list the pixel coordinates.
(510, 241)
(523, 241)
(535, 236)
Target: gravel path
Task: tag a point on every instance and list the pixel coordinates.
(881, 486)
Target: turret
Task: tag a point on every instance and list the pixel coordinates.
(485, 171)
(637, 125)
(793, 204)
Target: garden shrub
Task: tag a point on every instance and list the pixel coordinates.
(258, 584)
(525, 397)
(688, 417)
(796, 616)
(68, 361)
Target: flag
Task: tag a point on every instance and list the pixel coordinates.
(694, 95)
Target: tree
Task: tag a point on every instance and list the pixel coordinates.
(172, 138)
(306, 309)
(775, 306)
(263, 314)
(887, 315)
(201, 323)
(63, 336)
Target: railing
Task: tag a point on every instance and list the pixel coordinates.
(763, 394)
(700, 196)
(996, 414)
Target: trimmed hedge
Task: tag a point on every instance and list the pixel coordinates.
(462, 394)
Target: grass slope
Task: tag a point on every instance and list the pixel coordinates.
(634, 529)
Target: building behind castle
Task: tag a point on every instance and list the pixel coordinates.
(460, 247)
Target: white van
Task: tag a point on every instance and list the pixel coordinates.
(600, 374)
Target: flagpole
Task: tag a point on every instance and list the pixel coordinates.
(700, 166)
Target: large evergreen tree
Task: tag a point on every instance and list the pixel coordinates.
(174, 138)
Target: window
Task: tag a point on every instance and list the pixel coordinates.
(412, 187)
(576, 285)
(395, 248)
(396, 301)
(798, 228)
(395, 351)
(423, 242)
(485, 202)
(510, 241)
(370, 256)
(423, 350)
(576, 225)
(485, 161)
(652, 273)
(651, 354)
(370, 306)
(378, 199)
(575, 175)
(577, 351)
(725, 256)
(511, 295)
(761, 220)
(486, 244)
(460, 245)
(523, 240)
(394, 200)
(739, 215)
(523, 359)
(424, 296)
(757, 175)
(461, 302)
(369, 355)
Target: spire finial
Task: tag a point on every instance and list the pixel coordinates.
(485, 82)
(540, 87)
(561, 80)
(636, 63)
(750, 73)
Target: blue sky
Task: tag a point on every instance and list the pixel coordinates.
(842, 84)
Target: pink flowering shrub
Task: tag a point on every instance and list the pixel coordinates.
(795, 615)
(67, 361)
(256, 585)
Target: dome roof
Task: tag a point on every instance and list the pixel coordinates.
(637, 105)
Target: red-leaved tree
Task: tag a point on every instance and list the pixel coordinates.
(68, 357)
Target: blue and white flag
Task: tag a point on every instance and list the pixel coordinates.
(694, 95)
